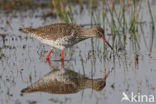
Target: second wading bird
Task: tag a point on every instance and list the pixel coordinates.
(63, 35)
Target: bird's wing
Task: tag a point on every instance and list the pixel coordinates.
(52, 32)
(56, 31)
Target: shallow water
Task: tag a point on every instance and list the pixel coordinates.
(22, 62)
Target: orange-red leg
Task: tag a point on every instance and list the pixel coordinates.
(47, 58)
(62, 64)
(62, 52)
(62, 59)
(49, 63)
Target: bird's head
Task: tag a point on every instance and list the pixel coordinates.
(99, 33)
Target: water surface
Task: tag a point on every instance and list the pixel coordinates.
(22, 61)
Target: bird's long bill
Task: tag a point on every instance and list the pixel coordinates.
(103, 38)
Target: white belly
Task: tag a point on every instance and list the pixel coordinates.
(60, 43)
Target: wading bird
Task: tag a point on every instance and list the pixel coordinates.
(63, 35)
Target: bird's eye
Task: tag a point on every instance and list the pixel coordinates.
(99, 33)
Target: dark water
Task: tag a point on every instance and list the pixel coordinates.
(22, 61)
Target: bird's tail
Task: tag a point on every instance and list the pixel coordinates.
(32, 88)
(26, 90)
(39, 85)
(27, 30)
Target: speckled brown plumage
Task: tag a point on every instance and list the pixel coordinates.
(63, 34)
(55, 31)
(64, 82)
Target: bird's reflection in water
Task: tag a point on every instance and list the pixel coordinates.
(64, 82)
